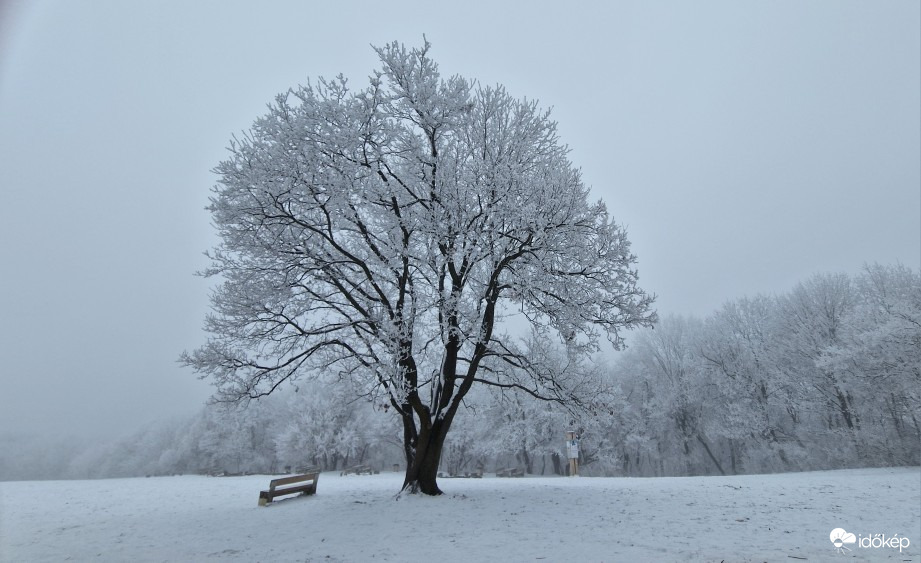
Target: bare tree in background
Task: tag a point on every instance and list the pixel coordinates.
(380, 234)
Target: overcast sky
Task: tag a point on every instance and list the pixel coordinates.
(746, 146)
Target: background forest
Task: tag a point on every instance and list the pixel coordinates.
(824, 376)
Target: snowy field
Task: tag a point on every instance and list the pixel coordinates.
(357, 518)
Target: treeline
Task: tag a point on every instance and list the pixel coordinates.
(827, 375)
(325, 427)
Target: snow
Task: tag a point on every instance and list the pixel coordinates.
(780, 517)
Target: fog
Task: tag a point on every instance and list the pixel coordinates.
(745, 145)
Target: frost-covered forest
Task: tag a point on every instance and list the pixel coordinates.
(823, 376)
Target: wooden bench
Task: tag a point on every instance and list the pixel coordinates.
(358, 470)
(476, 474)
(510, 472)
(304, 484)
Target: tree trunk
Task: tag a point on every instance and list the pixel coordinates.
(526, 459)
(733, 456)
(422, 468)
(557, 463)
(844, 407)
(710, 454)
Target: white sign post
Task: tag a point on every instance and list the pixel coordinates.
(572, 452)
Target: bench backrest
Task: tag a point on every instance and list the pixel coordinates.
(291, 480)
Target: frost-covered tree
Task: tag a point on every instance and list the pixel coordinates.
(380, 234)
(515, 425)
(682, 399)
(813, 317)
(879, 355)
(759, 401)
(327, 428)
(882, 340)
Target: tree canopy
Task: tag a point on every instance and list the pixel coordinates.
(382, 234)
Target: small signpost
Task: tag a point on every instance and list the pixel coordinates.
(572, 452)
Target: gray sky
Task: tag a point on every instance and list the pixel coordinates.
(746, 145)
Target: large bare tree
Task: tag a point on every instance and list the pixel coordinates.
(381, 234)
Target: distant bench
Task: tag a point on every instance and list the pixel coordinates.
(477, 474)
(358, 470)
(510, 472)
(305, 484)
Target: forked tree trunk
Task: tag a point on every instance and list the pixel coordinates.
(423, 450)
(423, 457)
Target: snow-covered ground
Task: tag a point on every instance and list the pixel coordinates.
(357, 518)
